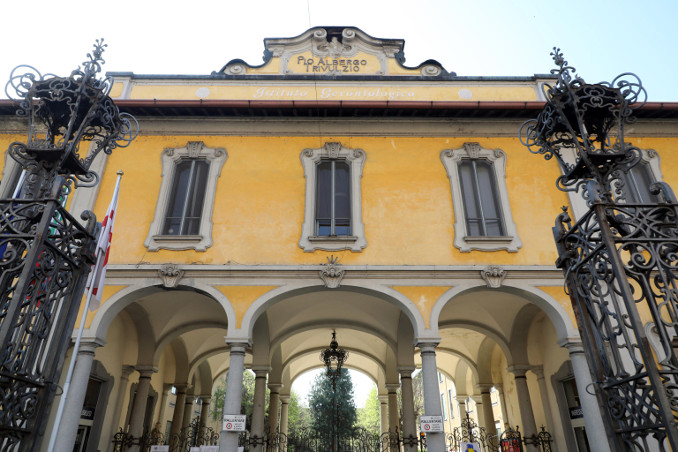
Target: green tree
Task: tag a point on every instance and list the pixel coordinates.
(330, 408)
(247, 398)
(369, 417)
(297, 415)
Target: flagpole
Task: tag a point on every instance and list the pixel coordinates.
(62, 402)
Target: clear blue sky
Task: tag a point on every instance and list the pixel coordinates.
(499, 38)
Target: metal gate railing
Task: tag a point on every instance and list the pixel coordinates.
(513, 441)
(194, 435)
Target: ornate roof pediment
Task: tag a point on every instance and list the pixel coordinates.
(334, 52)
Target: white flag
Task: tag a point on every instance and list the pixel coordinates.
(98, 272)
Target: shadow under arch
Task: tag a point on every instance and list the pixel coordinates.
(124, 297)
(279, 294)
(565, 328)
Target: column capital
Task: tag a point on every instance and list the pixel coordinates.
(519, 370)
(206, 398)
(181, 387)
(573, 345)
(126, 371)
(392, 387)
(406, 372)
(146, 371)
(383, 399)
(275, 387)
(88, 347)
(284, 399)
(261, 371)
(427, 346)
(237, 347)
(538, 371)
(484, 388)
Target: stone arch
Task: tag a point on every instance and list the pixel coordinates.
(123, 298)
(554, 311)
(489, 332)
(171, 335)
(260, 305)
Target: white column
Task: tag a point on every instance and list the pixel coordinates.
(166, 389)
(393, 415)
(546, 404)
(409, 422)
(258, 411)
(205, 409)
(487, 415)
(434, 441)
(273, 408)
(228, 441)
(593, 418)
(284, 405)
(179, 405)
(461, 400)
(478, 410)
(76, 396)
(120, 398)
(136, 423)
(383, 404)
(529, 426)
(502, 404)
(188, 409)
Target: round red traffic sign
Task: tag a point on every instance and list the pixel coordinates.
(229, 426)
(427, 427)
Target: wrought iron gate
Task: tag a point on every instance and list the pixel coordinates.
(194, 435)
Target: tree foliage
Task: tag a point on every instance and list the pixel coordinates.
(369, 417)
(247, 404)
(297, 415)
(327, 405)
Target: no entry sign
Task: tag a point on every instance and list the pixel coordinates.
(431, 424)
(234, 423)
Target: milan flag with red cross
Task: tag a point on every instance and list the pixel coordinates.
(95, 282)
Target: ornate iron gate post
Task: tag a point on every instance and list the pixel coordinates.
(619, 258)
(45, 253)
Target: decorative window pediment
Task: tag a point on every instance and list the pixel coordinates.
(482, 213)
(183, 214)
(333, 213)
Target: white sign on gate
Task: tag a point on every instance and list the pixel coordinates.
(431, 424)
(209, 448)
(234, 423)
(159, 448)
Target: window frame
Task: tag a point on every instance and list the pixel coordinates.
(451, 159)
(170, 158)
(310, 158)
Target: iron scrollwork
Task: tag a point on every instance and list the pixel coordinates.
(620, 259)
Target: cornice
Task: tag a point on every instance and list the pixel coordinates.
(426, 274)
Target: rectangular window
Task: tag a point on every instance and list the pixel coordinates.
(184, 211)
(637, 184)
(333, 198)
(481, 201)
(442, 403)
(449, 396)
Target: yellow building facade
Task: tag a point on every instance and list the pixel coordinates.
(334, 187)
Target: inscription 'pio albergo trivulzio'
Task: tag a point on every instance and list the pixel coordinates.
(331, 64)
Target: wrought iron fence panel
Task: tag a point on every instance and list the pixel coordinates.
(618, 257)
(122, 441)
(470, 432)
(45, 255)
(193, 435)
(152, 438)
(511, 441)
